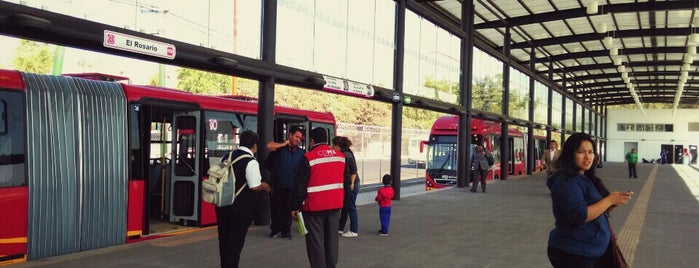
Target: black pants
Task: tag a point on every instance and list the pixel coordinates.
(280, 200)
(233, 223)
(479, 176)
(632, 170)
(562, 259)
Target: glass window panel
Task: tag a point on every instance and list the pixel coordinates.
(578, 117)
(12, 140)
(487, 83)
(556, 109)
(659, 128)
(411, 62)
(360, 41)
(541, 107)
(640, 127)
(569, 114)
(649, 128)
(330, 51)
(383, 43)
(519, 95)
(295, 30)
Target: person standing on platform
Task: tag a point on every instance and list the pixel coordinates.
(582, 234)
(632, 158)
(282, 162)
(480, 166)
(383, 197)
(663, 156)
(351, 185)
(234, 220)
(550, 156)
(319, 194)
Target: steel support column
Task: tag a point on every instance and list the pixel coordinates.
(465, 99)
(549, 113)
(397, 111)
(504, 146)
(265, 106)
(530, 129)
(575, 108)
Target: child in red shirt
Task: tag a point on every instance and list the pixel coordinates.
(383, 197)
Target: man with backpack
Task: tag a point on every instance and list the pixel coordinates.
(480, 165)
(235, 219)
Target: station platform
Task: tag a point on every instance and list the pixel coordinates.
(506, 227)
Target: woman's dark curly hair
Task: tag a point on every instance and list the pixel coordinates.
(566, 162)
(342, 141)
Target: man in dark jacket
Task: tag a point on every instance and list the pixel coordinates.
(282, 163)
(319, 193)
(480, 166)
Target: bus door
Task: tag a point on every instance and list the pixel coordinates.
(510, 156)
(186, 173)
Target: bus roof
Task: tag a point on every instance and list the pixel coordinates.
(448, 125)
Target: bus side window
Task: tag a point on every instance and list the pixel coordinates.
(3, 117)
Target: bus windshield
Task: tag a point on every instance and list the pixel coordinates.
(442, 153)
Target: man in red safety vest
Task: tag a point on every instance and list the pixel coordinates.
(319, 193)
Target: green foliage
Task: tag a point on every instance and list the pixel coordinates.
(487, 94)
(201, 82)
(33, 57)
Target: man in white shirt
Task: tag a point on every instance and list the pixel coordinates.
(234, 220)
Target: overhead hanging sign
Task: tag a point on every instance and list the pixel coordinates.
(342, 86)
(138, 45)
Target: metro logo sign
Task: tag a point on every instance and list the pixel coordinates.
(138, 45)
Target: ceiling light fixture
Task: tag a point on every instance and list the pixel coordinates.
(608, 41)
(615, 51)
(617, 60)
(592, 8)
(685, 67)
(688, 58)
(694, 38)
(602, 27)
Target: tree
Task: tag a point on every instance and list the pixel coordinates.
(487, 94)
(33, 57)
(201, 82)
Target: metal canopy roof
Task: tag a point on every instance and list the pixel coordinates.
(614, 51)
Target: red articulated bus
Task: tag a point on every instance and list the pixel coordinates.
(87, 162)
(441, 159)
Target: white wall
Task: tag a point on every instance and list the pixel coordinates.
(649, 142)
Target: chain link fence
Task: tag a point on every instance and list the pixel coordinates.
(372, 149)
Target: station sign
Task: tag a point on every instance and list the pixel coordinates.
(346, 87)
(138, 45)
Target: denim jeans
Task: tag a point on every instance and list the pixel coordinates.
(349, 208)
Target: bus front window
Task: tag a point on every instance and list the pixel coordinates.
(441, 153)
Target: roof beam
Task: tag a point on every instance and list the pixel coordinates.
(631, 74)
(605, 52)
(582, 12)
(601, 66)
(576, 38)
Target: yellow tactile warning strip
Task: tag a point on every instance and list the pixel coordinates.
(183, 240)
(631, 231)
